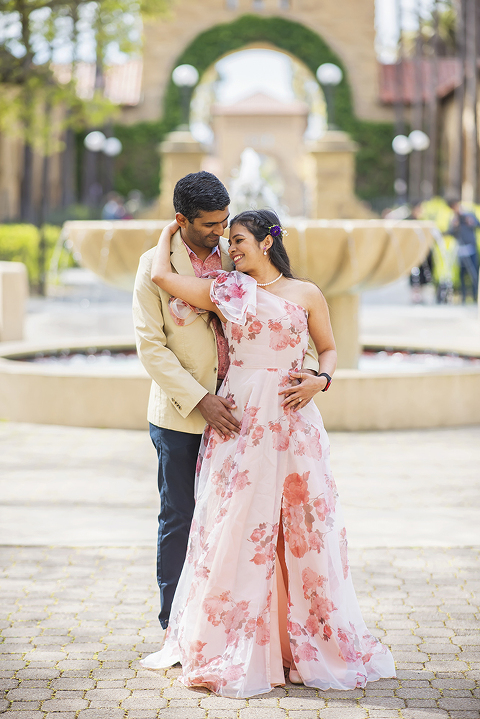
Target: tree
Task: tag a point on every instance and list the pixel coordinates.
(42, 43)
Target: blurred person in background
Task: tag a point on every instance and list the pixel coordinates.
(463, 227)
(134, 204)
(114, 208)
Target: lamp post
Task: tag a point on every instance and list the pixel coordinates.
(185, 77)
(111, 148)
(402, 147)
(96, 142)
(329, 76)
(420, 142)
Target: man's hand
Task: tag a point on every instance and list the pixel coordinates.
(306, 387)
(216, 412)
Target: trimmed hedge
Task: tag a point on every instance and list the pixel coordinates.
(138, 166)
(20, 243)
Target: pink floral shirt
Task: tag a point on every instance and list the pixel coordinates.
(212, 262)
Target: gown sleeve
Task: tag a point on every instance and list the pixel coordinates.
(235, 295)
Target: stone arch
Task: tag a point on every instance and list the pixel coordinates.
(281, 34)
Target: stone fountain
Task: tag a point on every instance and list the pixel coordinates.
(343, 256)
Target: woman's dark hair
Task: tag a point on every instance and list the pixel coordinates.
(259, 222)
(199, 192)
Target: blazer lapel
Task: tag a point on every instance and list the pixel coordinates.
(179, 256)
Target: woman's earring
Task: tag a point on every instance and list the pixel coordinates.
(264, 252)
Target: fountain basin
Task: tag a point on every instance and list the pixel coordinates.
(344, 257)
(341, 256)
(85, 396)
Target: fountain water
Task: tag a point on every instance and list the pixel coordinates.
(250, 189)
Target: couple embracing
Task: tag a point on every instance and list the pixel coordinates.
(252, 552)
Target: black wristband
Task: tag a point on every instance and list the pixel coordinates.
(329, 380)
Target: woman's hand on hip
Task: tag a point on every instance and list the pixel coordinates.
(306, 387)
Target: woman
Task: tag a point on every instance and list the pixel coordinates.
(266, 582)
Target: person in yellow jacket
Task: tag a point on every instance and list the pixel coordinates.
(186, 355)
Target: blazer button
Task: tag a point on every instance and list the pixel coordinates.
(215, 369)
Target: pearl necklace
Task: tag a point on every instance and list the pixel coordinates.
(265, 284)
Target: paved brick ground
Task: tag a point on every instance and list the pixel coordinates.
(75, 621)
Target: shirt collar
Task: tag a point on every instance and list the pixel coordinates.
(215, 250)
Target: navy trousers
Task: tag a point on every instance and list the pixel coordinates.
(177, 458)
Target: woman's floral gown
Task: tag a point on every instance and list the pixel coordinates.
(231, 621)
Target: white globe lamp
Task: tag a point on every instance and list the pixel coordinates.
(94, 141)
(401, 145)
(329, 74)
(419, 140)
(185, 76)
(112, 147)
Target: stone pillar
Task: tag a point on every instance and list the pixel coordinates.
(332, 178)
(344, 317)
(13, 297)
(181, 154)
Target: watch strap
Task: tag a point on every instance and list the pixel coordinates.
(329, 380)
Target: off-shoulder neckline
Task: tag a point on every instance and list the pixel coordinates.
(283, 298)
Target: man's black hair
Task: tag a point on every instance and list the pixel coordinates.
(199, 192)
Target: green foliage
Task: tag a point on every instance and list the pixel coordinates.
(20, 243)
(32, 31)
(138, 165)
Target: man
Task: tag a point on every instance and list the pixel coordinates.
(186, 362)
(463, 226)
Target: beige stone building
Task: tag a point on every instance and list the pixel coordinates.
(140, 88)
(346, 26)
(275, 131)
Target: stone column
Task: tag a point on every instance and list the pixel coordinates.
(344, 316)
(181, 154)
(13, 297)
(332, 180)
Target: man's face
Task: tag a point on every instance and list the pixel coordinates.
(205, 231)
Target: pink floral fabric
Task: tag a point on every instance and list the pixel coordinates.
(276, 470)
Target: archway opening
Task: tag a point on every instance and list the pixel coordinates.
(374, 160)
(254, 109)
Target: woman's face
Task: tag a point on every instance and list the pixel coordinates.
(245, 251)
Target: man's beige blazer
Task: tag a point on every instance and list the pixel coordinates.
(182, 361)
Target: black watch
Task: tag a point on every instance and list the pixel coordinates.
(329, 380)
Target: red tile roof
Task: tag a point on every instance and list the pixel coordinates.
(123, 83)
(448, 70)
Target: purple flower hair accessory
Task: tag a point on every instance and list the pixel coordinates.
(275, 230)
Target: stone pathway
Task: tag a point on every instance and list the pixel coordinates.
(75, 621)
(76, 615)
